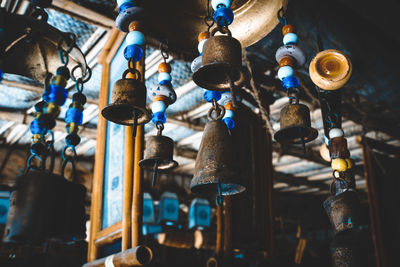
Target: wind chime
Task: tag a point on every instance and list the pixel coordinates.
(295, 119)
(219, 70)
(330, 70)
(46, 205)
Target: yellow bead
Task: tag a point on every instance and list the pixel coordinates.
(72, 127)
(350, 163)
(76, 105)
(339, 165)
(36, 138)
(37, 115)
(53, 109)
(59, 80)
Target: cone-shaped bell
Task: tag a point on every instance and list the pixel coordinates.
(128, 103)
(30, 47)
(215, 163)
(343, 211)
(295, 125)
(221, 64)
(159, 151)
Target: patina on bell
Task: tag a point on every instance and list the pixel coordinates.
(128, 103)
(215, 165)
(295, 125)
(343, 211)
(159, 152)
(221, 64)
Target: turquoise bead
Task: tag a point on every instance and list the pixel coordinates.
(284, 72)
(228, 113)
(290, 38)
(218, 3)
(158, 106)
(164, 76)
(121, 2)
(201, 45)
(135, 38)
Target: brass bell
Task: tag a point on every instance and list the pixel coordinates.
(221, 67)
(214, 170)
(128, 103)
(295, 125)
(343, 211)
(158, 154)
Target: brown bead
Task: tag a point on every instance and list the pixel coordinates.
(203, 35)
(161, 98)
(136, 26)
(164, 67)
(287, 29)
(287, 61)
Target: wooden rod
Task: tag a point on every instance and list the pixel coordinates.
(137, 196)
(227, 226)
(137, 256)
(220, 233)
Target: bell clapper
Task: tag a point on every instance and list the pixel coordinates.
(155, 173)
(303, 144)
(219, 198)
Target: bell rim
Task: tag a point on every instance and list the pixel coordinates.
(144, 117)
(212, 189)
(149, 163)
(279, 136)
(222, 87)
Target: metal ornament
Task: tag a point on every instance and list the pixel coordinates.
(221, 68)
(128, 102)
(295, 125)
(338, 148)
(215, 168)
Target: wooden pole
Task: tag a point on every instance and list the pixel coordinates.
(137, 256)
(220, 233)
(227, 226)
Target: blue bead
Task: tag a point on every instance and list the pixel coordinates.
(209, 95)
(133, 51)
(74, 115)
(230, 123)
(37, 127)
(159, 117)
(121, 2)
(164, 76)
(56, 94)
(290, 38)
(158, 106)
(290, 82)
(135, 38)
(125, 6)
(228, 113)
(224, 16)
(166, 82)
(220, 3)
(284, 72)
(1, 75)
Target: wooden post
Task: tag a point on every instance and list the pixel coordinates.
(220, 233)
(227, 226)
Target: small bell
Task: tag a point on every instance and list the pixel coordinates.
(343, 211)
(214, 169)
(221, 67)
(295, 125)
(128, 103)
(158, 154)
(338, 148)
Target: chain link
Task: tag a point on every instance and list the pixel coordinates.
(282, 16)
(160, 127)
(219, 111)
(164, 50)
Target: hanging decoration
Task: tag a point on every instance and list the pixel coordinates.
(128, 100)
(295, 118)
(159, 149)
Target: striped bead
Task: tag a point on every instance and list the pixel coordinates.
(135, 38)
(59, 80)
(220, 3)
(121, 2)
(290, 38)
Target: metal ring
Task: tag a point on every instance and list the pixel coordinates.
(133, 71)
(282, 18)
(219, 108)
(63, 55)
(223, 30)
(84, 78)
(160, 127)
(65, 156)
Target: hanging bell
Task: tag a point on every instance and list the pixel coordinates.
(343, 211)
(158, 154)
(128, 103)
(221, 67)
(215, 168)
(295, 125)
(338, 148)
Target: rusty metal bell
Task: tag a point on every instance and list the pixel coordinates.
(215, 168)
(221, 67)
(295, 125)
(128, 103)
(343, 211)
(338, 148)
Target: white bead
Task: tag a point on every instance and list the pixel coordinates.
(121, 2)
(284, 72)
(196, 64)
(158, 106)
(335, 132)
(225, 98)
(164, 76)
(215, 3)
(201, 45)
(136, 38)
(228, 113)
(290, 38)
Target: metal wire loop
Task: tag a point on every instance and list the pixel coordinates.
(338, 178)
(64, 154)
(293, 94)
(64, 165)
(132, 71)
(282, 16)
(209, 21)
(79, 85)
(160, 127)
(40, 14)
(219, 111)
(221, 29)
(29, 163)
(86, 77)
(164, 49)
(64, 58)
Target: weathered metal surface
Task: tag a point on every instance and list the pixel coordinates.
(221, 64)
(338, 148)
(128, 100)
(159, 150)
(215, 164)
(295, 125)
(30, 47)
(45, 206)
(343, 211)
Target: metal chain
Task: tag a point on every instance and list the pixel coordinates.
(69, 159)
(160, 127)
(219, 111)
(282, 16)
(293, 95)
(164, 50)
